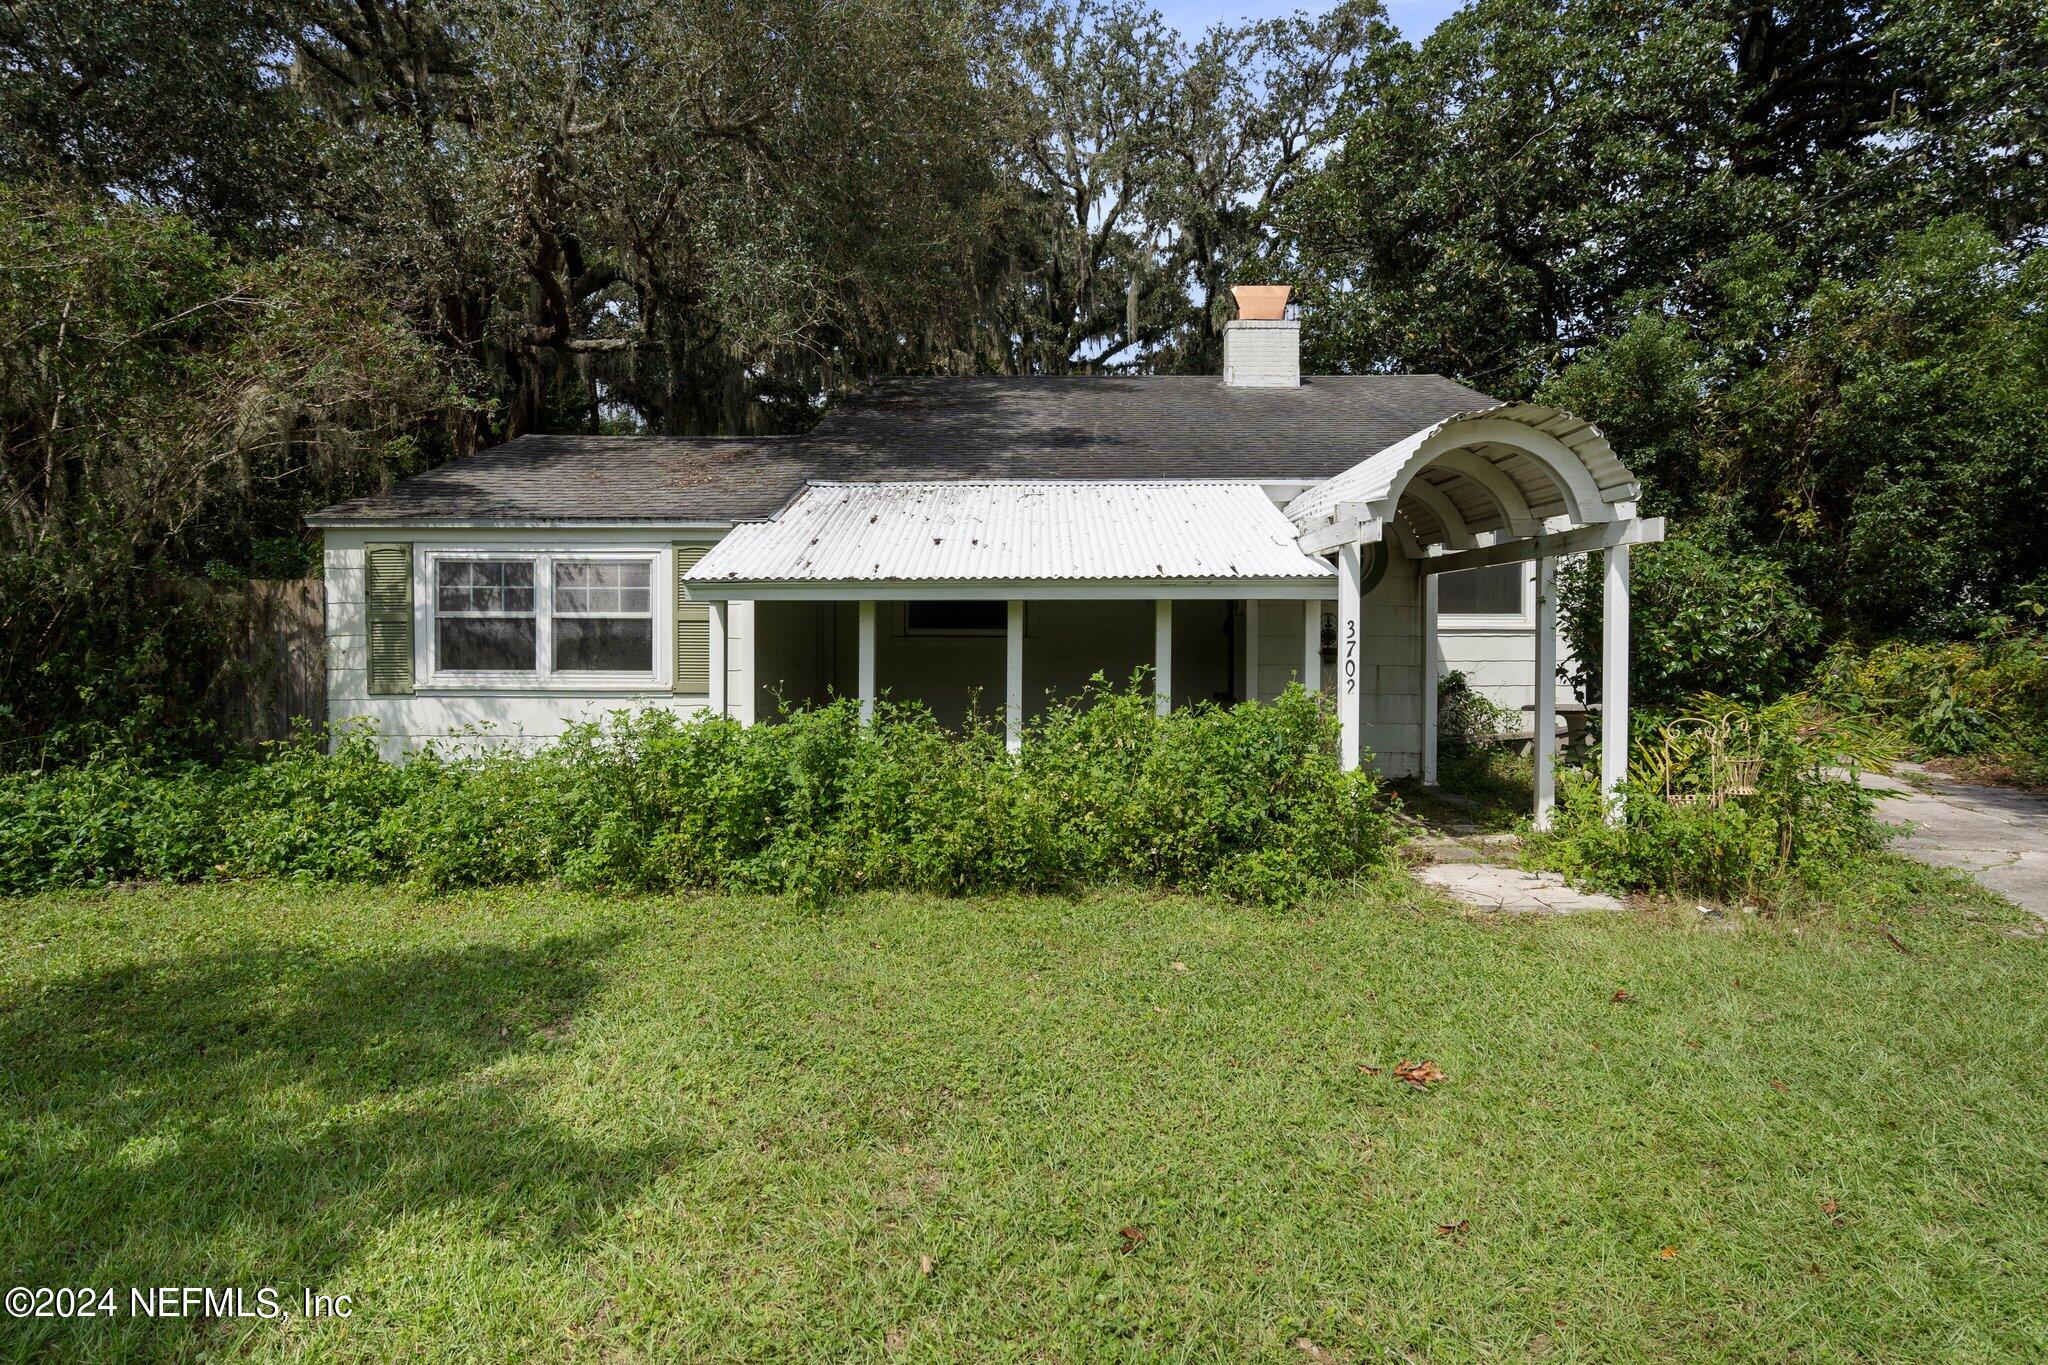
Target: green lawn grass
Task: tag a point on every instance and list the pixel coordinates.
(537, 1125)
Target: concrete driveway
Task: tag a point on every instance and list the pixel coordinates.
(1997, 835)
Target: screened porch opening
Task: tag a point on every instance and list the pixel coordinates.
(950, 655)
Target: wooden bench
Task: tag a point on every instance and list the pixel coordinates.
(1575, 732)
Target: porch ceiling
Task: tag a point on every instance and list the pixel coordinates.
(1016, 531)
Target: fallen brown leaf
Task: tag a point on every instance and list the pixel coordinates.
(1621, 998)
(926, 1265)
(1780, 1086)
(1132, 1238)
(1314, 1352)
(1421, 1074)
(1180, 966)
(1694, 1043)
(1371, 1070)
(1668, 1253)
(1457, 1229)
(1893, 939)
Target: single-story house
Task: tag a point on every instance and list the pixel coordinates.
(996, 542)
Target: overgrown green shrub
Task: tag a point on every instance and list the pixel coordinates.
(1246, 801)
(1703, 618)
(1730, 802)
(1986, 700)
(1466, 719)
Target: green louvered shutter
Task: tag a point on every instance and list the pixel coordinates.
(387, 593)
(693, 630)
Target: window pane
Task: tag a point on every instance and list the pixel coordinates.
(489, 585)
(467, 644)
(603, 587)
(962, 617)
(1482, 592)
(451, 582)
(586, 644)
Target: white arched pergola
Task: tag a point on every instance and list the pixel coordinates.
(1507, 484)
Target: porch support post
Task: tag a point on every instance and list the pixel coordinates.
(740, 701)
(1251, 649)
(1162, 654)
(1429, 681)
(1348, 605)
(1312, 647)
(1544, 743)
(866, 667)
(1013, 680)
(716, 701)
(1614, 679)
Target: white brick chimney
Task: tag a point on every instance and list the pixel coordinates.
(1262, 345)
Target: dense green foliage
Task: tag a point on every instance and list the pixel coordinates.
(169, 407)
(1703, 618)
(1733, 802)
(1247, 802)
(1784, 255)
(1985, 702)
(1466, 719)
(1887, 449)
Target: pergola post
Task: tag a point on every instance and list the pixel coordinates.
(1251, 649)
(1543, 743)
(717, 633)
(1312, 647)
(1614, 680)
(1428, 680)
(740, 689)
(1162, 654)
(1013, 679)
(865, 674)
(1349, 593)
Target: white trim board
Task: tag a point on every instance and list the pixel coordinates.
(1601, 536)
(1118, 590)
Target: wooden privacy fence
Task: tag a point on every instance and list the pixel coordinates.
(275, 674)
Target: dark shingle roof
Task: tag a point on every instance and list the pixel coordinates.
(593, 478)
(1141, 427)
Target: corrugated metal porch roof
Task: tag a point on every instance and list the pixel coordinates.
(1015, 530)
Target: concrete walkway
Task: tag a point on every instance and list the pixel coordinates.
(1997, 835)
(1493, 887)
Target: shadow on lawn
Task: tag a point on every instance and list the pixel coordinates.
(259, 1117)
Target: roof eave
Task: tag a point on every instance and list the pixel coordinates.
(324, 522)
(1307, 587)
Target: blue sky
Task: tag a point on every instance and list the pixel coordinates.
(1415, 18)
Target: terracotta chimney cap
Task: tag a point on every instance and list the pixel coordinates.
(1261, 302)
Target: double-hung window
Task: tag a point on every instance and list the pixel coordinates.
(560, 617)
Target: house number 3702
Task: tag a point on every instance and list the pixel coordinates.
(1350, 656)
